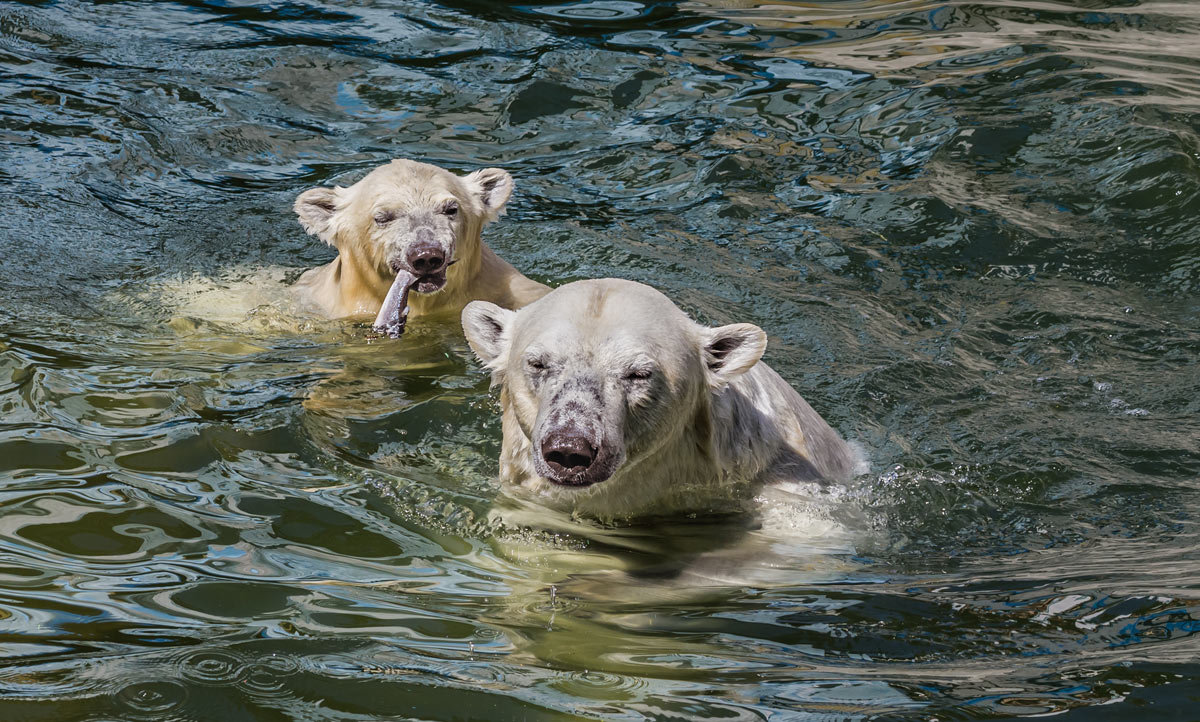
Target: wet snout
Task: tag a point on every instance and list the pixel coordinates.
(426, 257)
(569, 453)
(573, 442)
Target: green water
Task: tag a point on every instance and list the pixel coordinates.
(969, 229)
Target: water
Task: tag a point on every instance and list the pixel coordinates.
(969, 229)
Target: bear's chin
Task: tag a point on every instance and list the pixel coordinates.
(582, 480)
(573, 482)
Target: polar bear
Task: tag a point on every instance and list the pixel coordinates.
(616, 404)
(409, 226)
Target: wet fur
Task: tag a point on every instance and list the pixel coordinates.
(715, 426)
(357, 281)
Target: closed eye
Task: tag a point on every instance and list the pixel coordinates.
(638, 374)
(385, 217)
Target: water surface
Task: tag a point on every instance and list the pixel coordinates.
(968, 228)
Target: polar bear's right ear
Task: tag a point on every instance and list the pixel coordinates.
(492, 186)
(316, 207)
(730, 351)
(486, 327)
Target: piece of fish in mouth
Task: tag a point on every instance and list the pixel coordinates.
(394, 312)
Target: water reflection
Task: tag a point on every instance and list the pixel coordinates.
(968, 227)
(943, 42)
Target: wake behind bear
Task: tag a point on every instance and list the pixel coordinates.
(408, 240)
(616, 404)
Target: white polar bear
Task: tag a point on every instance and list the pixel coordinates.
(616, 404)
(409, 226)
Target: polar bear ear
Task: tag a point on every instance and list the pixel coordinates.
(492, 186)
(486, 327)
(316, 207)
(730, 351)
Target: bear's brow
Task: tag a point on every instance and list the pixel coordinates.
(596, 301)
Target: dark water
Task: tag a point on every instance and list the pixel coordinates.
(970, 230)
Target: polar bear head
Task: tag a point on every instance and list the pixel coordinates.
(408, 216)
(603, 381)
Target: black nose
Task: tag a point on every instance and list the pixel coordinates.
(568, 454)
(426, 258)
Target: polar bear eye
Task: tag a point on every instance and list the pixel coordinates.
(536, 364)
(450, 209)
(638, 374)
(385, 217)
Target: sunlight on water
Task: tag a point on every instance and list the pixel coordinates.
(969, 230)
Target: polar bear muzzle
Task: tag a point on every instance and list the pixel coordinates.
(573, 445)
(568, 456)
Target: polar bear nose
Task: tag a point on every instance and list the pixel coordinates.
(568, 454)
(426, 258)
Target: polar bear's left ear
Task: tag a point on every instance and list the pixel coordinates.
(730, 351)
(486, 327)
(492, 186)
(316, 207)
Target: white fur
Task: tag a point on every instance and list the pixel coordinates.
(709, 427)
(374, 222)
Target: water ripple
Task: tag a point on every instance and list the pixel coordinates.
(152, 700)
(968, 227)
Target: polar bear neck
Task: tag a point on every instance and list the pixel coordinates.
(351, 287)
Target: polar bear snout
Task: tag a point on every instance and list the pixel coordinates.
(427, 261)
(577, 437)
(568, 455)
(426, 258)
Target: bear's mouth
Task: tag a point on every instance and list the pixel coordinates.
(422, 283)
(572, 460)
(577, 481)
(431, 283)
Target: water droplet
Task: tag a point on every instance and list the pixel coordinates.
(155, 697)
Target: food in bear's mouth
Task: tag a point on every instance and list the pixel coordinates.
(394, 311)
